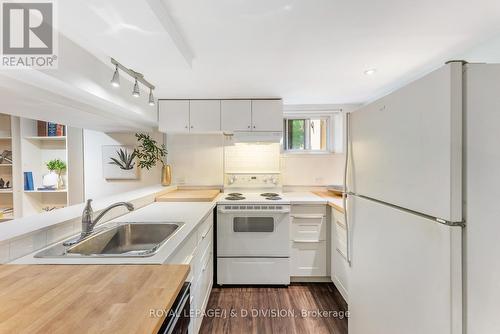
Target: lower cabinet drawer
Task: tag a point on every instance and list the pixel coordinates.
(253, 271)
(308, 227)
(308, 259)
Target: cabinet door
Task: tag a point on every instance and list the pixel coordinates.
(308, 258)
(338, 266)
(236, 115)
(204, 115)
(173, 116)
(267, 115)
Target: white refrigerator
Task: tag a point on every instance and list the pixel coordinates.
(404, 208)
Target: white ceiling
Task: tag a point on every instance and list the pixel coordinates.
(306, 51)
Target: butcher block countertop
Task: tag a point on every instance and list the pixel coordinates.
(334, 200)
(87, 298)
(189, 195)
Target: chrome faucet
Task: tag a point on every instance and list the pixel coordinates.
(88, 221)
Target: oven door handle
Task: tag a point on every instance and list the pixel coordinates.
(253, 211)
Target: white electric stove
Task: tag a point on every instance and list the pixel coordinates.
(253, 231)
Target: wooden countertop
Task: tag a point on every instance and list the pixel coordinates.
(334, 200)
(189, 195)
(87, 298)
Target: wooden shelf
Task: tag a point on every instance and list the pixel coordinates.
(5, 191)
(5, 138)
(5, 165)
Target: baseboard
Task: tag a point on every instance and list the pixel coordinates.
(310, 279)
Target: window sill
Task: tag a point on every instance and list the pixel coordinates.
(311, 153)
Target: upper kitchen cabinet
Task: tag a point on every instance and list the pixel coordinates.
(189, 116)
(173, 116)
(236, 115)
(204, 115)
(267, 115)
(252, 115)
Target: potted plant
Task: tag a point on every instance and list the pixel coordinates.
(149, 153)
(55, 167)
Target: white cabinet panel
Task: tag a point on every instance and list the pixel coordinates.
(204, 116)
(308, 259)
(338, 258)
(267, 115)
(236, 115)
(406, 147)
(173, 116)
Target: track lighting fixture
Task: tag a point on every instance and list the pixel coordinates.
(116, 78)
(138, 77)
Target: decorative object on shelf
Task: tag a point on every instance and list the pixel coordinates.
(28, 181)
(6, 157)
(54, 178)
(150, 153)
(48, 129)
(118, 162)
(4, 184)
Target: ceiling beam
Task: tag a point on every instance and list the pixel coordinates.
(168, 24)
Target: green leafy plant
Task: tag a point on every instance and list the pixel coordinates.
(125, 159)
(149, 151)
(56, 165)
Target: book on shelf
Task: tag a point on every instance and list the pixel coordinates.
(49, 129)
(28, 181)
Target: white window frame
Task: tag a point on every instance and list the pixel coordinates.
(335, 130)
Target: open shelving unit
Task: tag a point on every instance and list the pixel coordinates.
(8, 196)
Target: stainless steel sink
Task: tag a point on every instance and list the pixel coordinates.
(123, 240)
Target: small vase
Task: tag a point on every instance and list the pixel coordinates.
(50, 180)
(60, 182)
(166, 175)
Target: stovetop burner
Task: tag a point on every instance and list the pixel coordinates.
(269, 195)
(273, 198)
(235, 194)
(235, 198)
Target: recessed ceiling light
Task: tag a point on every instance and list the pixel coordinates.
(370, 71)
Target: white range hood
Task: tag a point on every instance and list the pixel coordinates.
(255, 136)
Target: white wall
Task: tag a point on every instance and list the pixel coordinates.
(312, 169)
(95, 184)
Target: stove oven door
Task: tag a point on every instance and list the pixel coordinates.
(253, 234)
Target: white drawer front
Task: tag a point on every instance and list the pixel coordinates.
(308, 258)
(315, 209)
(308, 227)
(253, 271)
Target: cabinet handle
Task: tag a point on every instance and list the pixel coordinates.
(307, 241)
(254, 126)
(186, 127)
(192, 126)
(249, 126)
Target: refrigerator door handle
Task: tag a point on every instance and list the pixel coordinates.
(345, 189)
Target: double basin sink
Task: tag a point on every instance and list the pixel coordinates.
(122, 240)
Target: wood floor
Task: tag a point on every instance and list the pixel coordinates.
(276, 310)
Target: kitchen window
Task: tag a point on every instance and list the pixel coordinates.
(307, 134)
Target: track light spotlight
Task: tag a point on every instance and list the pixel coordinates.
(136, 92)
(151, 101)
(115, 82)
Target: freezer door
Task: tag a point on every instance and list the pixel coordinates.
(406, 272)
(406, 147)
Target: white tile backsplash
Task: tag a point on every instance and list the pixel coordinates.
(252, 158)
